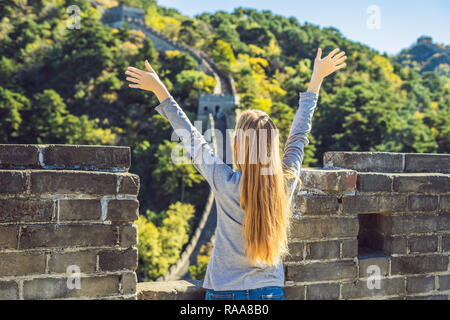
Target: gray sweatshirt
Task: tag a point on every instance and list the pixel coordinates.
(228, 268)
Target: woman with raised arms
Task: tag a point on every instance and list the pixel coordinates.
(253, 198)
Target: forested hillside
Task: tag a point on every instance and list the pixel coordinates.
(426, 56)
(374, 105)
(60, 85)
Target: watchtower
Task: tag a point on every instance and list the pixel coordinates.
(220, 106)
(116, 16)
(425, 39)
(223, 109)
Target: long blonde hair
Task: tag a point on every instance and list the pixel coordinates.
(263, 196)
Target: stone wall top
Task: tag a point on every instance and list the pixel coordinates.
(171, 290)
(68, 157)
(387, 161)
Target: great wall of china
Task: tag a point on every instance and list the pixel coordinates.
(369, 225)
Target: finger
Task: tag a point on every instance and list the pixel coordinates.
(319, 54)
(134, 85)
(136, 70)
(138, 76)
(340, 54)
(149, 67)
(340, 66)
(133, 80)
(332, 53)
(336, 62)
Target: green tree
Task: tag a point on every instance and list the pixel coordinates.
(175, 177)
(223, 55)
(198, 271)
(11, 105)
(160, 246)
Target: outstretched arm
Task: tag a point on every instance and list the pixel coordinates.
(302, 124)
(201, 154)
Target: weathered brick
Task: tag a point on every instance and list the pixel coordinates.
(23, 263)
(426, 243)
(316, 204)
(320, 228)
(47, 236)
(113, 260)
(295, 251)
(87, 157)
(444, 203)
(130, 297)
(349, 248)
(367, 288)
(8, 237)
(395, 244)
(446, 242)
(444, 282)
(63, 182)
(428, 297)
(128, 235)
(421, 202)
(97, 286)
(382, 262)
(329, 181)
(129, 282)
(422, 183)
(13, 182)
(26, 210)
(420, 284)
(123, 210)
(129, 184)
(323, 250)
(52, 288)
(418, 264)
(318, 271)
(373, 203)
(9, 290)
(294, 292)
(86, 260)
(77, 209)
(19, 156)
(444, 222)
(322, 291)
(427, 162)
(364, 161)
(408, 223)
(374, 182)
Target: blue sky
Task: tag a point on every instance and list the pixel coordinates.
(401, 21)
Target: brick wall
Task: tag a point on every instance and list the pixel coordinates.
(64, 210)
(372, 212)
(363, 214)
